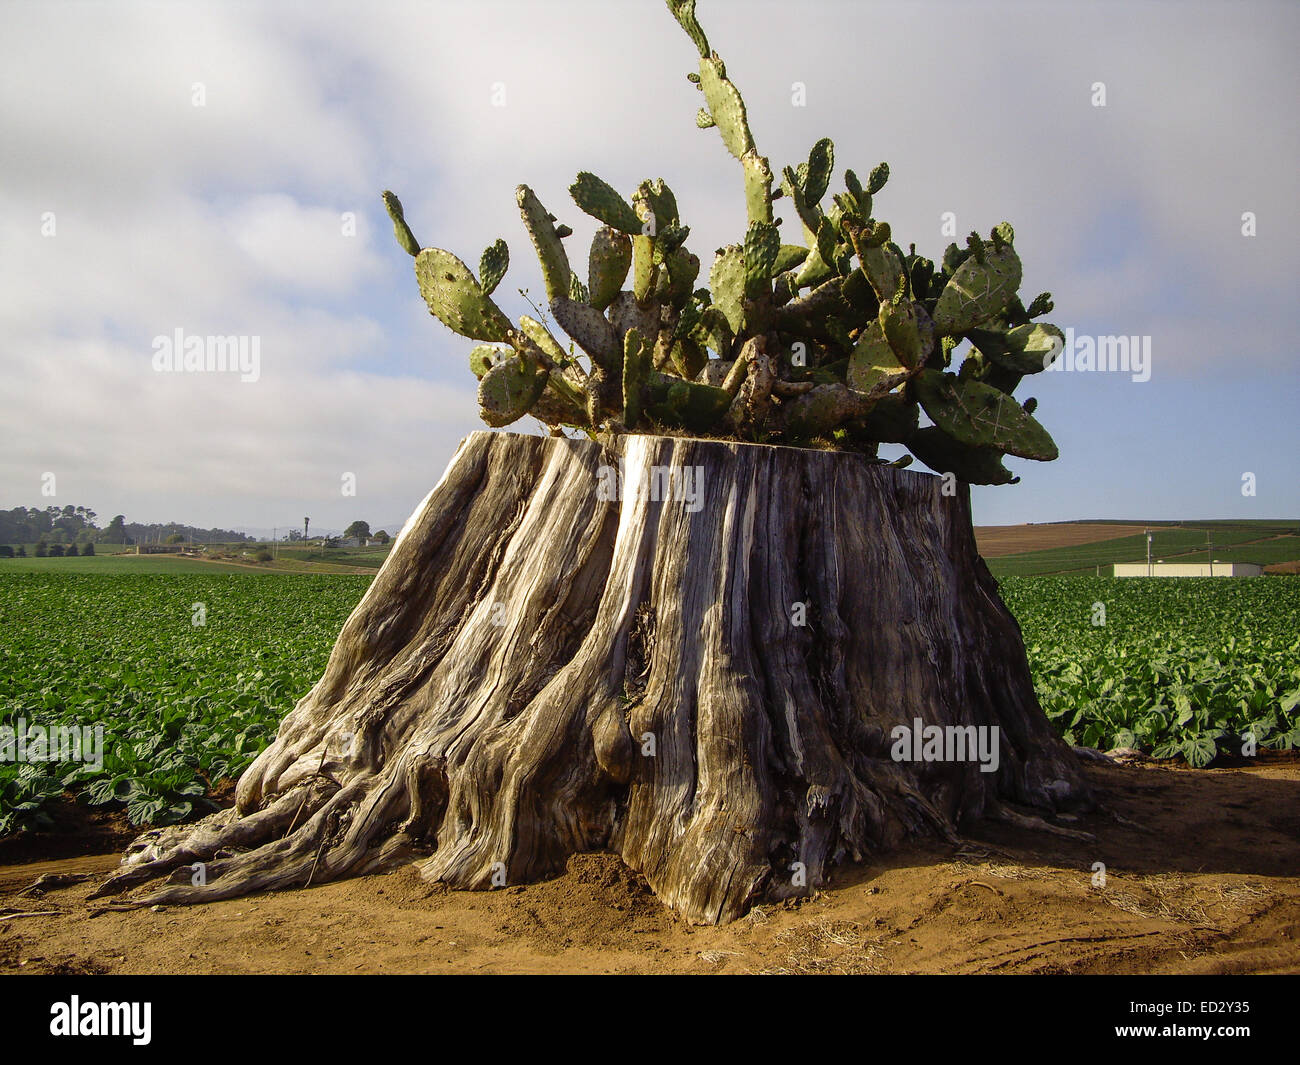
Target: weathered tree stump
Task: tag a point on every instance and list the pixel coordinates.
(704, 677)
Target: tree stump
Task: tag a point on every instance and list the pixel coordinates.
(703, 668)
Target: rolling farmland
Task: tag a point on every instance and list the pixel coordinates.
(1057, 549)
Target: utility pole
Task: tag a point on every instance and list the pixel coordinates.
(1209, 551)
(1148, 532)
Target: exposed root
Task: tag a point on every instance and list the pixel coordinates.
(1032, 823)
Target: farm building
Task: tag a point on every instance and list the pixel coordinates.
(1188, 569)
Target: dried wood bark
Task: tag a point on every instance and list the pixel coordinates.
(702, 676)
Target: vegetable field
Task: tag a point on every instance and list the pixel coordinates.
(1178, 667)
(189, 674)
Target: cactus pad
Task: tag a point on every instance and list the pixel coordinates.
(602, 201)
(454, 297)
(978, 290)
(509, 389)
(978, 415)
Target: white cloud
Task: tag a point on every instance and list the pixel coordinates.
(225, 219)
(304, 247)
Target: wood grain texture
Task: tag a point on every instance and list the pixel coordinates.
(540, 670)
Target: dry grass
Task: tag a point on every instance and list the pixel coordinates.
(1244, 896)
(1163, 896)
(713, 957)
(978, 859)
(826, 947)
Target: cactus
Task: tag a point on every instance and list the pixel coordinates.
(789, 256)
(762, 246)
(900, 324)
(715, 332)
(726, 107)
(492, 266)
(683, 268)
(758, 187)
(627, 312)
(509, 389)
(943, 454)
(546, 241)
(686, 404)
(636, 372)
(873, 360)
(1025, 349)
(456, 300)
(689, 359)
(838, 338)
(684, 12)
(603, 202)
(656, 198)
(400, 229)
(877, 178)
(727, 283)
(1042, 304)
(980, 416)
(817, 171)
(484, 357)
(607, 265)
(643, 266)
(893, 420)
(589, 328)
(541, 336)
(980, 288)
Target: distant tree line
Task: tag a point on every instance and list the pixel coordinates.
(77, 526)
(44, 550)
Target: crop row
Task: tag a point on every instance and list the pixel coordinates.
(1177, 667)
(189, 675)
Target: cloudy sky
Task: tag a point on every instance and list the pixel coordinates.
(216, 168)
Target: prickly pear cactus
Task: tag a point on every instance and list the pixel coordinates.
(509, 389)
(456, 299)
(834, 337)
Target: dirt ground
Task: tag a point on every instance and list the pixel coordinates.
(1202, 876)
(995, 540)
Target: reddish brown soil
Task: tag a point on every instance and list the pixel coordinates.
(995, 540)
(1210, 883)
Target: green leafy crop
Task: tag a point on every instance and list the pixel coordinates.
(1181, 668)
(182, 706)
